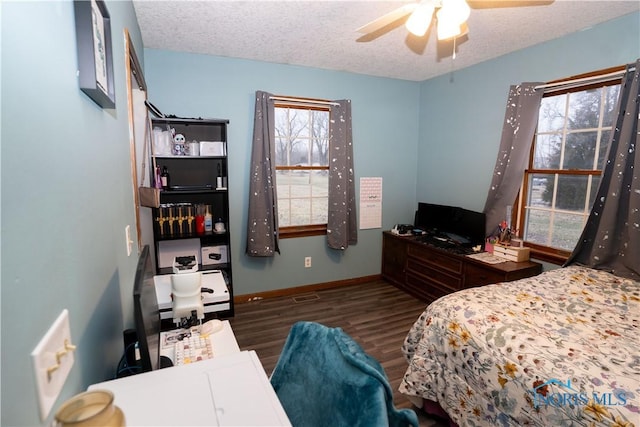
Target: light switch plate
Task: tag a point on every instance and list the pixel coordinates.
(52, 361)
(128, 241)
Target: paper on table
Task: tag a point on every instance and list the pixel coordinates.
(487, 257)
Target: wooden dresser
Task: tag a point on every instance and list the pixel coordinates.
(428, 273)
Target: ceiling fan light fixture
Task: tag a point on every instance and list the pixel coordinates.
(454, 11)
(420, 20)
(448, 30)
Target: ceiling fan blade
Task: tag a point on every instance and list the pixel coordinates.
(495, 4)
(388, 18)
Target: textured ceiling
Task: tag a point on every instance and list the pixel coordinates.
(322, 34)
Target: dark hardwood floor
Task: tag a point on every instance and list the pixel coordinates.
(376, 314)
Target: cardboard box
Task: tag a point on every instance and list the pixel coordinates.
(511, 253)
(212, 255)
(169, 249)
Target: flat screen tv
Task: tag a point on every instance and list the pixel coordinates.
(146, 313)
(460, 225)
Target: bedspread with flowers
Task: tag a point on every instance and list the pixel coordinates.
(558, 349)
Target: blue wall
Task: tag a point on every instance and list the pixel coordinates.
(66, 199)
(67, 194)
(385, 134)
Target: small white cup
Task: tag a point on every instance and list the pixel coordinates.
(194, 148)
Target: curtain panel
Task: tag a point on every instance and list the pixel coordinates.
(611, 238)
(262, 222)
(520, 121)
(342, 228)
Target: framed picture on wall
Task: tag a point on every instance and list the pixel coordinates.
(95, 56)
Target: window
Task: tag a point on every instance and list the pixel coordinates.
(302, 169)
(567, 157)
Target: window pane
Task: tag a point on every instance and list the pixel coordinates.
(595, 183)
(281, 151)
(537, 226)
(610, 102)
(567, 229)
(552, 113)
(300, 184)
(320, 152)
(320, 126)
(579, 150)
(299, 122)
(284, 213)
(604, 148)
(283, 184)
(281, 122)
(320, 183)
(572, 191)
(547, 151)
(299, 153)
(584, 109)
(300, 211)
(541, 190)
(319, 206)
(320, 146)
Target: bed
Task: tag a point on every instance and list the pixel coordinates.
(560, 348)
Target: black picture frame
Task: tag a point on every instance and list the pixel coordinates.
(95, 55)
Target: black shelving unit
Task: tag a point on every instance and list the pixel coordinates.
(194, 182)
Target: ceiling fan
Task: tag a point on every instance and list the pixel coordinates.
(451, 16)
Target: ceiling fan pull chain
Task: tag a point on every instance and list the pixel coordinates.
(454, 48)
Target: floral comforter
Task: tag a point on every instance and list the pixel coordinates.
(558, 349)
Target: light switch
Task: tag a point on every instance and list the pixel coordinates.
(127, 237)
(52, 361)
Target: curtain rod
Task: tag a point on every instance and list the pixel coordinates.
(303, 100)
(575, 82)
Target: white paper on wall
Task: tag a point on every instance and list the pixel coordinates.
(370, 203)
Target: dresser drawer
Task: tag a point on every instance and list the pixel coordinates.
(441, 260)
(424, 288)
(477, 276)
(430, 274)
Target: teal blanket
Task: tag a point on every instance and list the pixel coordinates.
(324, 378)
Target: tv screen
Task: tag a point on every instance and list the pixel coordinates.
(146, 313)
(461, 225)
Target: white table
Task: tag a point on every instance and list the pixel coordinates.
(229, 390)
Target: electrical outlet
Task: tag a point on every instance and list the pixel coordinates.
(52, 361)
(129, 242)
(307, 262)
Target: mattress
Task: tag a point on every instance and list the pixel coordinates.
(561, 348)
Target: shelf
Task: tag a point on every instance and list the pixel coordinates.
(224, 266)
(190, 157)
(206, 234)
(194, 191)
(190, 121)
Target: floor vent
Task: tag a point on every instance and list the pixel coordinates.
(305, 298)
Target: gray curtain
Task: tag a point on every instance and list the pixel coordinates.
(520, 121)
(262, 224)
(342, 229)
(611, 238)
